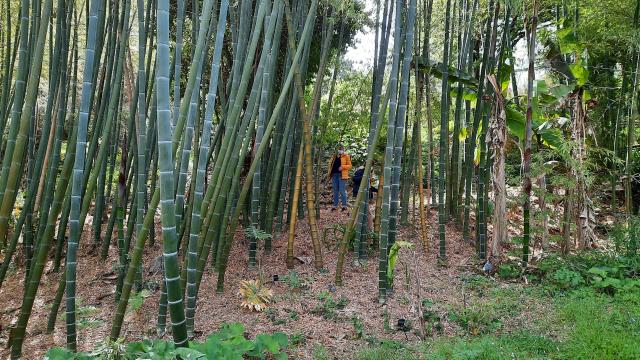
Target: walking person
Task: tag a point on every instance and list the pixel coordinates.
(339, 174)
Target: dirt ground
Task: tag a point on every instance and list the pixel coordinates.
(96, 285)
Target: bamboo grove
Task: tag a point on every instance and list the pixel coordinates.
(205, 118)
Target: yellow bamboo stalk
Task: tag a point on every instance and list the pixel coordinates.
(294, 209)
(45, 162)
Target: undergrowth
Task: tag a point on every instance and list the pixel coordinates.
(585, 306)
(227, 343)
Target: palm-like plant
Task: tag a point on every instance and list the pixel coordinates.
(255, 296)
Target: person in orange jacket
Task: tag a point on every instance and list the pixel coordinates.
(339, 167)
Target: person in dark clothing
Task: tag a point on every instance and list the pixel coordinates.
(357, 180)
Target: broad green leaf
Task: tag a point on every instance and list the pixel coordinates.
(580, 73)
(552, 137)
(462, 136)
(561, 91)
(189, 354)
(568, 41)
(58, 353)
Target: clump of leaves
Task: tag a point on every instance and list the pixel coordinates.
(475, 320)
(509, 271)
(256, 233)
(566, 278)
(279, 319)
(255, 296)
(297, 339)
(604, 273)
(327, 305)
(294, 281)
(358, 326)
(432, 321)
(136, 300)
(610, 280)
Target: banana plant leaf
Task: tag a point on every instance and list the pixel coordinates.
(551, 137)
(436, 69)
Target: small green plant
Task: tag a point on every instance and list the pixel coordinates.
(393, 258)
(297, 339)
(626, 236)
(385, 321)
(475, 320)
(509, 271)
(610, 280)
(257, 233)
(136, 300)
(567, 279)
(294, 281)
(358, 326)
(280, 319)
(320, 352)
(605, 273)
(327, 305)
(85, 316)
(432, 321)
(477, 283)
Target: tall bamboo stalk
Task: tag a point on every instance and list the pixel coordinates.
(444, 124)
(532, 23)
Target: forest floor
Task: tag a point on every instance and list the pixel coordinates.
(461, 305)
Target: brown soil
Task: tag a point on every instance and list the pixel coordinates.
(441, 284)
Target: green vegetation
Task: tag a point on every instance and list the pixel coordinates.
(582, 307)
(327, 306)
(227, 343)
(196, 136)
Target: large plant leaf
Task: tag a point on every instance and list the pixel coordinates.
(551, 137)
(454, 75)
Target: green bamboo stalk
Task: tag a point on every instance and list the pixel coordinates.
(166, 168)
(177, 59)
(78, 213)
(470, 150)
(202, 166)
(388, 157)
(16, 117)
(444, 124)
(526, 168)
(378, 75)
(256, 192)
(482, 173)
(16, 337)
(403, 103)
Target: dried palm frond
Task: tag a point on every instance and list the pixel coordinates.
(255, 295)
